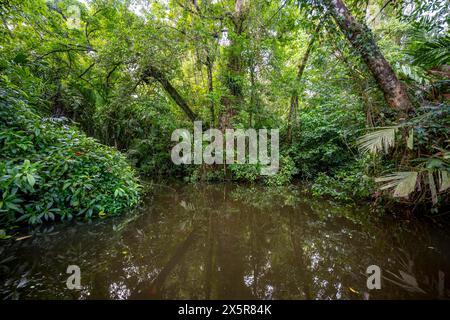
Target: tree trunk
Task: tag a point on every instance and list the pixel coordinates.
(362, 40)
(153, 72)
(234, 68)
(209, 66)
(252, 94)
(301, 68)
(59, 109)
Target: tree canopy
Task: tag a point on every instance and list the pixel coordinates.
(358, 89)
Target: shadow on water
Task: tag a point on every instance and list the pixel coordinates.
(230, 242)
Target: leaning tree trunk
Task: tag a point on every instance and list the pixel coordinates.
(362, 40)
(158, 75)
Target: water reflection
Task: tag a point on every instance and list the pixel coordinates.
(230, 242)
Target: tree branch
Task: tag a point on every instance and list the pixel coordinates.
(158, 75)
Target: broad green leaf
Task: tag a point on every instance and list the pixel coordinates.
(31, 180)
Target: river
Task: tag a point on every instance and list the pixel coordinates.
(225, 241)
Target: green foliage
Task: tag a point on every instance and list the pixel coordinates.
(233, 66)
(285, 174)
(51, 171)
(142, 128)
(252, 173)
(422, 175)
(324, 139)
(349, 184)
(245, 172)
(430, 51)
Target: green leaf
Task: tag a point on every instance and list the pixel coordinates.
(14, 207)
(31, 180)
(22, 217)
(26, 164)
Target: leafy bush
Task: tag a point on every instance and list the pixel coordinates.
(142, 128)
(50, 171)
(348, 184)
(422, 172)
(285, 174)
(323, 138)
(245, 172)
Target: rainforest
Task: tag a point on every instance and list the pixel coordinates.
(98, 98)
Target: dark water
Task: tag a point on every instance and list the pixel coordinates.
(231, 242)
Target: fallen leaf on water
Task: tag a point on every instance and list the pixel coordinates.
(23, 238)
(409, 279)
(22, 283)
(353, 290)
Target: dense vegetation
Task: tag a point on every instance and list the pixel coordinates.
(50, 170)
(359, 90)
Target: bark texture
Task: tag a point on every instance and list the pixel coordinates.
(362, 40)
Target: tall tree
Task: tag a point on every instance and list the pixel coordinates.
(301, 68)
(362, 40)
(235, 67)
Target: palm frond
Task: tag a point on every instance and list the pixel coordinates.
(430, 51)
(414, 73)
(443, 180)
(403, 182)
(410, 141)
(432, 185)
(378, 141)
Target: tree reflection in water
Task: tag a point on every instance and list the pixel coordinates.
(230, 242)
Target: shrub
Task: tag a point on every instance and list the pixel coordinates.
(324, 139)
(49, 170)
(285, 173)
(349, 184)
(142, 129)
(246, 173)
